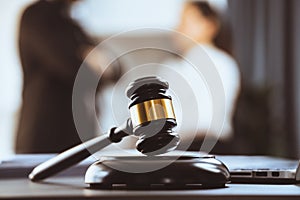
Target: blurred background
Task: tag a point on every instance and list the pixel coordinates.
(262, 36)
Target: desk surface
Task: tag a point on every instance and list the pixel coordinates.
(70, 185)
(74, 188)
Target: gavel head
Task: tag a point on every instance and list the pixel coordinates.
(152, 115)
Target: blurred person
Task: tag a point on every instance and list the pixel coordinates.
(200, 24)
(52, 48)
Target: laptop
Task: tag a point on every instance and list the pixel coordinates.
(262, 169)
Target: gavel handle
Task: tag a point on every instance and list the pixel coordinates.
(68, 158)
(78, 153)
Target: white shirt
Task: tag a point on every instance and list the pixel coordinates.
(194, 105)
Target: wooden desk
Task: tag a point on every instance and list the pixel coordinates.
(74, 188)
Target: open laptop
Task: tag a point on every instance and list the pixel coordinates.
(261, 169)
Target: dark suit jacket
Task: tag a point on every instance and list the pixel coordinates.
(50, 45)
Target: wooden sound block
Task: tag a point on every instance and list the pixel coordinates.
(157, 172)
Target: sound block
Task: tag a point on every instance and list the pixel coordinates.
(170, 172)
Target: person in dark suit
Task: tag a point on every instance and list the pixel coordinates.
(52, 48)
